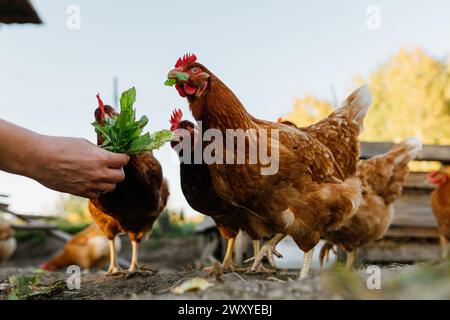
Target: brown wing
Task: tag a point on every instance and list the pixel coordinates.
(385, 175)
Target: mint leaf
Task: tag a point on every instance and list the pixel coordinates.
(170, 82)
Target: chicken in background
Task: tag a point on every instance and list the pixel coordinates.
(440, 203)
(310, 193)
(135, 203)
(87, 249)
(382, 179)
(199, 192)
(8, 243)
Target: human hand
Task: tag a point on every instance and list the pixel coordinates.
(75, 166)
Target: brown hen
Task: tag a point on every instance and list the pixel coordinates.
(87, 249)
(8, 243)
(135, 203)
(304, 191)
(197, 187)
(440, 202)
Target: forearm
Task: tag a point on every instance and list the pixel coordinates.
(17, 148)
(65, 164)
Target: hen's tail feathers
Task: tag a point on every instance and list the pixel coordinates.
(406, 150)
(324, 254)
(400, 155)
(357, 105)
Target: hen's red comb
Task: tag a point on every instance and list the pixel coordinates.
(280, 120)
(175, 119)
(101, 106)
(184, 60)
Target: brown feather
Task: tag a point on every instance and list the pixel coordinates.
(382, 179)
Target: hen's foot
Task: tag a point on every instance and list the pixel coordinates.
(260, 269)
(114, 271)
(226, 266)
(267, 251)
(139, 271)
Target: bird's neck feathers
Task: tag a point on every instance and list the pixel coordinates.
(219, 108)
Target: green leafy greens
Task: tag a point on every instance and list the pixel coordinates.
(123, 134)
(180, 75)
(170, 82)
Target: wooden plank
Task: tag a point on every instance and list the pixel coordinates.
(429, 152)
(413, 209)
(34, 226)
(418, 180)
(405, 232)
(387, 251)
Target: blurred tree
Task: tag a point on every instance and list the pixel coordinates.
(411, 96)
(309, 110)
(73, 209)
(411, 93)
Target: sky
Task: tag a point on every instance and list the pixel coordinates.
(267, 52)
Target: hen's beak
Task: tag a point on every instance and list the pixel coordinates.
(175, 74)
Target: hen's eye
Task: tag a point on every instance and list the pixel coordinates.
(194, 70)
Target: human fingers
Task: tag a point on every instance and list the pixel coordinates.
(116, 160)
(113, 175)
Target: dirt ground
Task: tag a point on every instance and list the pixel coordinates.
(175, 262)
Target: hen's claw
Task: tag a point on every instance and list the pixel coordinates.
(260, 269)
(226, 266)
(114, 271)
(267, 250)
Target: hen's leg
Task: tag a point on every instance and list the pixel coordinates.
(267, 250)
(113, 265)
(307, 259)
(134, 256)
(350, 260)
(228, 263)
(444, 247)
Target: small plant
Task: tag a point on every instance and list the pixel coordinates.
(25, 287)
(22, 286)
(122, 133)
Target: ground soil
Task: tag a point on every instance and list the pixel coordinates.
(176, 261)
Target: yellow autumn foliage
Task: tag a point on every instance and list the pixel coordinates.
(411, 97)
(73, 209)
